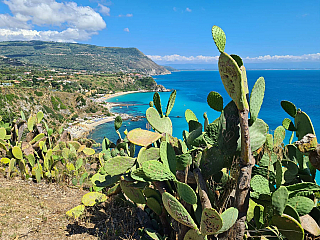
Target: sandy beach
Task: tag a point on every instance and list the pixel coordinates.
(79, 129)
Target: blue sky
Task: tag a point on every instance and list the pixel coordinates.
(173, 32)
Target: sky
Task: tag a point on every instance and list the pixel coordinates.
(174, 31)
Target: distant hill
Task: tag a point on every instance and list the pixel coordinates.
(171, 69)
(80, 56)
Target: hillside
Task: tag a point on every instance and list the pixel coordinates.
(81, 57)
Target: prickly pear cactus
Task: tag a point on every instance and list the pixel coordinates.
(256, 98)
(157, 103)
(289, 107)
(279, 136)
(229, 217)
(215, 101)
(289, 227)
(177, 210)
(280, 199)
(193, 234)
(186, 193)
(189, 115)
(219, 38)
(171, 101)
(117, 122)
(161, 124)
(134, 194)
(303, 125)
(118, 165)
(143, 137)
(157, 171)
(303, 205)
(211, 221)
(154, 205)
(92, 198)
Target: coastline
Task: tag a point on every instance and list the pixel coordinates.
(80, 129)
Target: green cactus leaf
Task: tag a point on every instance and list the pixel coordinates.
(183, 161)
(256, 98)
(303, 205)
(189, 115)
(279, 199)
(168, 156)
(157, 103)
(152, 234)
(39, 116)
(105, 144)
(17, 153)
(244, 80)
(186, 193)
(171, 101)
(148, 154)
(269, 142)
(157, 171)
(279, 173)
(161, 124)
(193, 234)
(215, 101)
(288, 124)
(154, 205)
(289, 107)
(92, 198)
(219, 38)
(289, 227)
(76, 212)
(212, 161)
(5, 160)
(231, 77)
(303, 187)
(279, 135)
(134, 194)
(206, 120)
(211, 221)
(38, 172)
(3, 146)
(250, 213)
(104, 180)
(3, 133)
(138, 175)
(258, 216)
(117, 122)
(258, 134)
(76, 145)
(268, 161)
(229, 217)
(303, 125)
(237, 59)
(118, 165)
(265, 173)
(88, 151)
(177, 210)
(292, 212)
(260, 184)
(151, 192)
(37, 138)
(31, 122)
(310, 225)
(31, 159)
(143, 137)
(212, 132)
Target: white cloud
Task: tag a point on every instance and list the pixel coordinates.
(126, 30)
(188, 9)
(175, 58)
(82, 21)
(127, 15)
(104, 10)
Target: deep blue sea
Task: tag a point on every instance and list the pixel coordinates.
(302, 87)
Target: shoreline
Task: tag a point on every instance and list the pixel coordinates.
(80, 129)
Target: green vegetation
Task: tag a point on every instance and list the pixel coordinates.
(80, 57)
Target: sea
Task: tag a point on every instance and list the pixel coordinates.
(301, 87)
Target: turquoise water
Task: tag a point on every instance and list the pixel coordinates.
(298, 86)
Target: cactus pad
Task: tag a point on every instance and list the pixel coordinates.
(219, 38)
(288, 124)
(88, 151)
(154, 205)
(215, 101)
(289, 227)
(161, 124)
(31, 122)
(229, 217)
(177, 210)
(309, 224)
(17, 153)
(91, 198)
(104, 180)
(142, 137)
(303, 125)
(189, 115)
(3, 133)
(76, 212)
(213, 130)
(134, 194)
(237, 59)
(148, 154)
(289, 107)
(151, 192)
(117, 122)
(258, 215)
(211, 221)
(157, 171)
(212, 161)
(157, 103)
(303, 187)
(186, 193)
(279, 199)
(118, 165)
(256, 98)
(231, 77)
(258, 134)
(292, 212)
(303, 205)
(171, 101)
(168, 156)
(183, 161)
(193, 234)
(260, 184)
(39, 116)
(279, 136)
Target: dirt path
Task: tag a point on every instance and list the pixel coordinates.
(37, 211)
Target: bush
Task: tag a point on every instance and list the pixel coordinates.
(39, 94)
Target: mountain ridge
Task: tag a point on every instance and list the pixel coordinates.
(81, 56)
